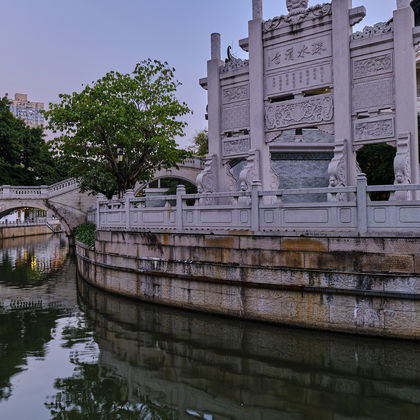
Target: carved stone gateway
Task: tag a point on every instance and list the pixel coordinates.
(313, 87)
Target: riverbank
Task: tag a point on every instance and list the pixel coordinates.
(357, 285)
(26, 229)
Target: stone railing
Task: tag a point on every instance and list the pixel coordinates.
(270, 212)
(194, 162)
(41, 192)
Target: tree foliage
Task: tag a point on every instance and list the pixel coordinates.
(25, 158)
(377, 162)
(201, 143)
(85, 233)
(137, 111)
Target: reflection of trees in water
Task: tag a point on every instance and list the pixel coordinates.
(92, 393)
(20, 274)
(88, 395)
(192, 362)
(22, 334)
(27, 265)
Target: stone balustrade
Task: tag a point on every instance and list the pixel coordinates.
(269, 212)
(41, 192)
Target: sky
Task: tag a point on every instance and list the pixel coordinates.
(50, 47)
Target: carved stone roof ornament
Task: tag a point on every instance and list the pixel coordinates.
(296, 6)
(232, 62)
(298, 12)
(371, 31)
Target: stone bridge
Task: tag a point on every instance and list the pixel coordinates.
(187, 171)
(68, 204)
(63, 199)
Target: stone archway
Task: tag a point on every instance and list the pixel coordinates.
(8, 207)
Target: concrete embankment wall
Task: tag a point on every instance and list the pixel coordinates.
(17, 231)
(357, 285)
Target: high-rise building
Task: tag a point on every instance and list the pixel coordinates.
(26, 110)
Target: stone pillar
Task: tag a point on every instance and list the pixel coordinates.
(129, 195)
(180, 191)
(405, 83)
(256, 95)
(214, 101)
(342, 83)
(6, 191)
(44, 191)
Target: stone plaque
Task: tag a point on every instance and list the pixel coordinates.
(374, 128)
(235, 117)
(373, 95)
(299, 112)
(236, 146)
(298, 52)
(300, 79)
(236, 93)
(372, 66)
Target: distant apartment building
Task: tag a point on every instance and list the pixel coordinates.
(26, 110)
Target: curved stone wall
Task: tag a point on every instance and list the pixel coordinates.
(358, 285)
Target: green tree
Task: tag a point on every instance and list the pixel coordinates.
(377, 162)
(25, 158)
(137, 112)
(201, 143)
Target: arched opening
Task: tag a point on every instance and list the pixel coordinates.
(164, 186)
(377, 162)
(15, 215)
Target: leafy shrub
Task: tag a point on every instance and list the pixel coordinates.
(85, 233)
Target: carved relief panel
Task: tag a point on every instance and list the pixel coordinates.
(234, 146)
(370, 129)
(300, 112)
(235, 117)
(235, 93)
(298, 52)
(373, 95)
(303, 78)
(373, 65)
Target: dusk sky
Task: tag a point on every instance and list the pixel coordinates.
(54, 46)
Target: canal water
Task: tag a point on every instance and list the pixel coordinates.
(70, 351)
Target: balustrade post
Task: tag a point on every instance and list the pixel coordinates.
(6, 191)
(255, 205)
(180, 191)
(129, 195)
(101, 198)
(362, 211)
(44, 190)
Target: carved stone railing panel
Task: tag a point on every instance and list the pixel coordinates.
(278, 215)
(300, 112)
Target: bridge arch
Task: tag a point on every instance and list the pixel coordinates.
(9, 207)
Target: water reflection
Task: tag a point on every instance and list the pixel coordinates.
(26, 262)
(207, 367)
(68, 353)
